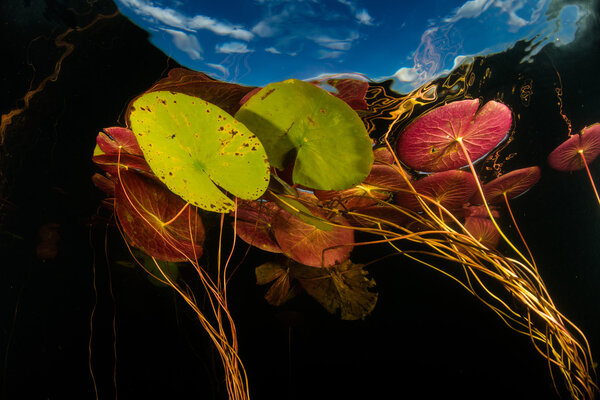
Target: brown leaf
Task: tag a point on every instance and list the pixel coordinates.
(344, 286)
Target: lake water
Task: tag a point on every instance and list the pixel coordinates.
(75, 317)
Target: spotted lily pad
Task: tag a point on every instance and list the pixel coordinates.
(327, 139)
(195, 147)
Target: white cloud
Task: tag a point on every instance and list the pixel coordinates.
(470, 9)
(363, 17)
(175, 19)
(233, 47)
(406, 74)
(335, 44)
(186, 43)
(220, 28)
(326, 54)
(222, 69)
(272, 50)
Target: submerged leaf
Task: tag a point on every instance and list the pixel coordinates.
(281, 290)
(144, 206)
(193, 146)
(344, 287)
(309, 245)
(294, 119)
(254, 224)
(570, 155)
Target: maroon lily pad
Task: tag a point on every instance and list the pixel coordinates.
(116, 139)
(309, 245)
(483, 230)
(451, 189)
(432, 142)
(351, 91)
(254, 224)
(112, 162)
(513, 184)
(104, 184)
(579, 149)
(222, 94)
(143, 207)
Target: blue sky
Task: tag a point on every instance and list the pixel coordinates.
(255, 42)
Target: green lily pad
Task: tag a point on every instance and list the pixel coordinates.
(195, 147)
(329, 141)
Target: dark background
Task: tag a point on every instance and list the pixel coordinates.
(427, 337)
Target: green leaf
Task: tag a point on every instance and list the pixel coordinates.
(295, 118)
(194, 146)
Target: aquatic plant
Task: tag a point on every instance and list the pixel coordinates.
(294, 170)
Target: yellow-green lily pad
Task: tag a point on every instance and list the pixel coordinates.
(196, 148)
(295, 119)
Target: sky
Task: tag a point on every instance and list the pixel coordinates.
(255, 42)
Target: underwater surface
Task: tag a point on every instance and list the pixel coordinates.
(81, 320)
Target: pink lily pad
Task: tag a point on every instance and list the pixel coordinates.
(431, 142)
(309, 245)
(254, 224)
(513, 184)
(569, 155)
(143, 207)
(451, 189)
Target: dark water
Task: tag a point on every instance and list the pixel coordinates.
(427, 336)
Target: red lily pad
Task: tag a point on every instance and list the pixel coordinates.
(483, 230)
(351, 91)
(225, 95)
(513, 184)
(116, 139)
(378, 186)
(112, 162)
(143, 207)
(569, 156)
(104, 184)
(309, 245)
(451, 189)
(254, 224)
(431, 142)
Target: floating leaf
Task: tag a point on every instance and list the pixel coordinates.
(144, 206)
(351, 91)
(344, 287)
(431, 142)
(193, 146)
(309, 245)
(513, 184)
(293, 118)
(281, 290)
(449, 188)
(569, 156)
